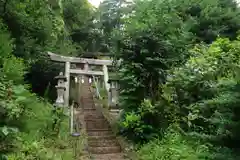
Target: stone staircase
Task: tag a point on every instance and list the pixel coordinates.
(102, 143)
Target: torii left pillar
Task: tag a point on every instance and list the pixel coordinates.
(67, 84)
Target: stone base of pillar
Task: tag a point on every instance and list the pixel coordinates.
(113, 106)
(66, 111)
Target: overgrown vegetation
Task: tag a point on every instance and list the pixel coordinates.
(177, 70)
(29, 126)
(180, 67)
(203, 98)
(25, 118)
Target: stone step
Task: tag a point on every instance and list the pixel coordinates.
(97, 127)
(92, 128)
(89, 110)
(101, 132)
(103, 143)
(92, 108)
(93, 137)
(88, 106)
(87, 100)
(116, 156)
(95, 119)
(90, 103)
(104, 150)
(96, 124)
(93, 116)
(87, 96)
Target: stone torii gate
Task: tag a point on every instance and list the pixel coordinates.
(83, 64)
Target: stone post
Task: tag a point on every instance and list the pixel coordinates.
(60, 89)
(113, 94)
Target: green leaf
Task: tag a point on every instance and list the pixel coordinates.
(5, 130)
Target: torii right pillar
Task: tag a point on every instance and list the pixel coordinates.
(105, 73)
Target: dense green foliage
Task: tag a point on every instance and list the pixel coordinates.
(205, 92)
(29, 129)
(174, 146)
(40, 26)
(25, 119)
(172, 72)
(203, 98)
(157, 38)
(180, 66)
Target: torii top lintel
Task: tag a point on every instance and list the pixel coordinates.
(59, 58)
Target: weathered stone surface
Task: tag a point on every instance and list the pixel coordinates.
(104, 150)
(60, 89)
(115, 156)
(100, 133)
(102, 143)
(92, 115)
(114, 94)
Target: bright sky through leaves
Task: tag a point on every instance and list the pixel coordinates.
(95, 2)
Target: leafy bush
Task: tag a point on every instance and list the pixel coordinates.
(12, 96)
(152, 41)
(24, 118)
(205, 93)
(14, 69)
(147, 122)
(6, 46)
(25, 122)
(175, 146)
(156, 38)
